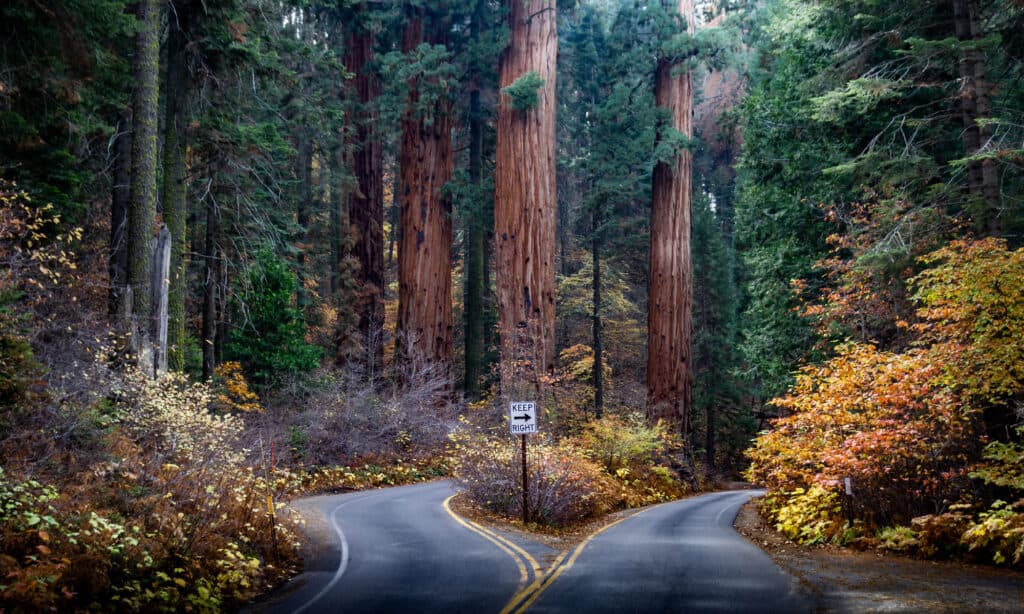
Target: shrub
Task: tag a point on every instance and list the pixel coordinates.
(898, 539)
(637, 455)
(616, 442)
(348, 419)
(272, 336)
(564, 485)
(232, 391)
(1000, 531)
(907, 427)
(881, 419)
(939, 534)
(172, 520)
(807, 516)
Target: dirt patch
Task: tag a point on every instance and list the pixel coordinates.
(841, 580)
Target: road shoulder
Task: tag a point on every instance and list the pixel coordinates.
(844, 580)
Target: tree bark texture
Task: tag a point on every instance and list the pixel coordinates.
(175, 190)
(211, 276)
(346, 265)
(303, 205)
(366, 204)
(670, 299)
(424, 255)
(982, 176)
(334, 229)
(474, 256)
(525, 196)
(119, 199)
(142, 200)
(598, 336)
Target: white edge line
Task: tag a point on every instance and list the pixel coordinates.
(343, 565)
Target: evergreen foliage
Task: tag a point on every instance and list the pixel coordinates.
(270, 341)
(523, 91)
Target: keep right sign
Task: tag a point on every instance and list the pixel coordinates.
(522, 417)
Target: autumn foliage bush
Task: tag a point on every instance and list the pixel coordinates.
(565, 486)
(617, 462)
(174, 519)
(637, 455)
(910, 429)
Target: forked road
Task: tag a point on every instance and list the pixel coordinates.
(402, 550)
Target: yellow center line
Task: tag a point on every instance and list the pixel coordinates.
(524, 576)
(558, 567)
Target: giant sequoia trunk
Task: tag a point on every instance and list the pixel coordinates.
(525, 200)
(424, 255)
(670, 299)
(982, 176)
(142, 200)
(366, 204)
(175, 204)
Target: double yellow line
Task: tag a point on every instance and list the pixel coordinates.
(531, 583)
(529, 569)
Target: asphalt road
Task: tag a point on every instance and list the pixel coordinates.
(402, 550)
(682, 556)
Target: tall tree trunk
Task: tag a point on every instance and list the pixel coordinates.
(394, 218)
(142, 201)
(175, 191)
(598, 337)
(346, 266)
(474, 256)
(490, 300)
(211, 254)
(982, 176)
(304, 161)
(119, 200)
(525, 198)
(670, 300)
(424, 257)
(366, 206)
(334, 226)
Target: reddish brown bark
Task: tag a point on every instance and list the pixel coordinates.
(424, 256)
(670, 301)
(982, 176)
(525, 200)
(366, 204)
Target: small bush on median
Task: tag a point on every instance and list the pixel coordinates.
(564, 487)
(637, 455)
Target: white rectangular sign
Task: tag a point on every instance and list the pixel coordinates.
(522, 417)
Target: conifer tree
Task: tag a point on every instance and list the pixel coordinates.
(525, 201)
(425, 272)
(142, 199)
(670, 299)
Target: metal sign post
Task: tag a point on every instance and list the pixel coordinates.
(526, 485)
(522, 420)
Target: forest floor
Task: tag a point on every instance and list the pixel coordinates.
(844, 580)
